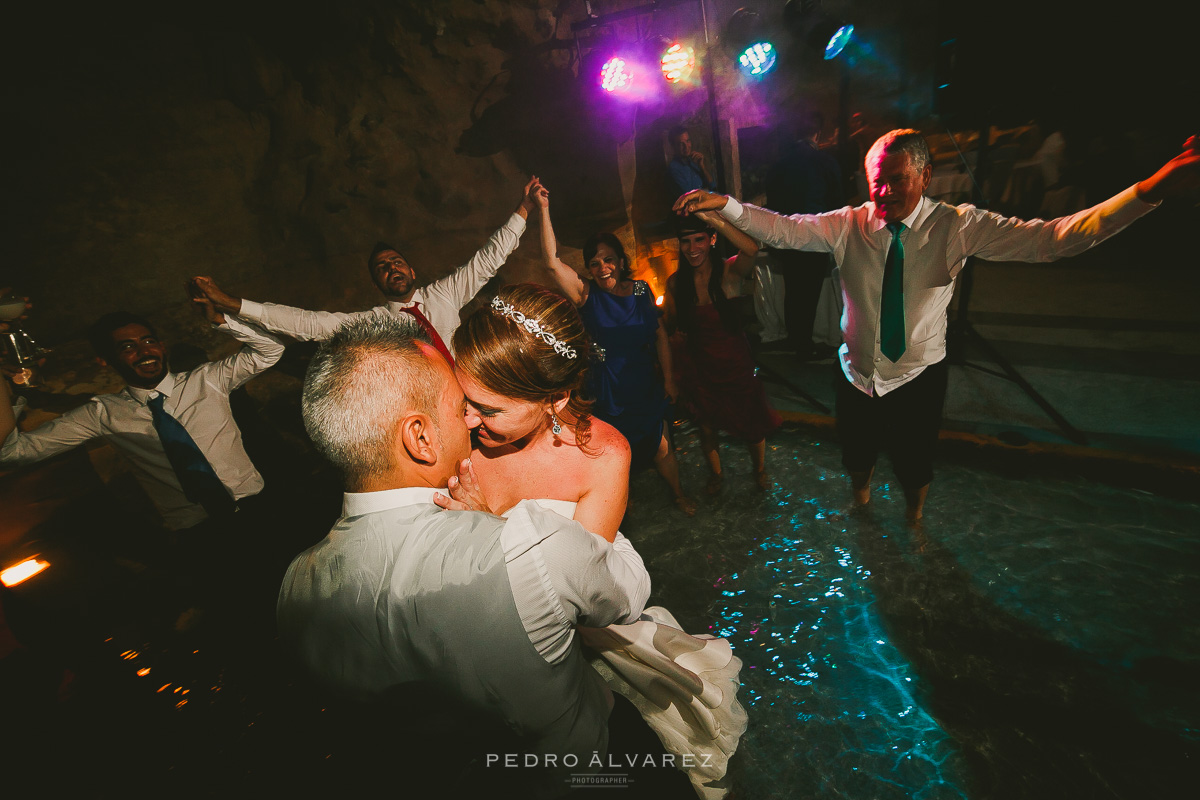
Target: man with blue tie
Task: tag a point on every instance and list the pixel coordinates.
(175, 429)
(899, 254)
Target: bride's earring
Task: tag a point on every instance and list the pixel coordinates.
(557, 429)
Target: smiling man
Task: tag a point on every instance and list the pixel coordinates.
(899, 255)
(435, 307)
(174, 428)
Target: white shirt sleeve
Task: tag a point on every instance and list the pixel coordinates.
(59, 435)
(562, 575)
(457, 288)
(993, 237)
(261, 351)
(298, 323)
(822, 233)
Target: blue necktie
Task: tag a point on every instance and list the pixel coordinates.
(196, 477)
(892, 340)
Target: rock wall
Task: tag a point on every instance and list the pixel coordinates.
(267, 145)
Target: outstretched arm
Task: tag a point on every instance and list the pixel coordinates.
(566, 279)
(299, 323)
(699, 200)
(1180, 174)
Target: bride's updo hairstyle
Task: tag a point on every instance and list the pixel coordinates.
(529, 344)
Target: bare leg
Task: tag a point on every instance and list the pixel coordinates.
(708, 445)
(916, 503)
(668, 467)
(860, 484)
(758, 457)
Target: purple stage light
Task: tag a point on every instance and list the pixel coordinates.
(615, 75)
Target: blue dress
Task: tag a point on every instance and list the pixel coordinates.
(628, 392)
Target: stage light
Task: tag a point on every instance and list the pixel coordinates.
(677, 62)
(746, 40)
(616, 75)
(818, 30)
(838, 41)
(757, 60)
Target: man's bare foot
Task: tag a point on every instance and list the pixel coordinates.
(913, 516)
(761, 480)
(714, 483)
(862, 496)
(685, 505)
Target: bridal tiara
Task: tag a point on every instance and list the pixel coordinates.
(533, 326)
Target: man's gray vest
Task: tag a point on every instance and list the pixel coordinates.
(418, 594)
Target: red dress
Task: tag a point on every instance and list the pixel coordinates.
(718, 381)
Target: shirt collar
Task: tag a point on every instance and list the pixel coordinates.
(908, 221)
(165, 387)
(417, 300)
(355, 504)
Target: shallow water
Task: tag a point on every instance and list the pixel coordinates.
(1036, 637)
(1032, 638)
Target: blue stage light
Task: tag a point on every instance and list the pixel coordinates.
(757, 60)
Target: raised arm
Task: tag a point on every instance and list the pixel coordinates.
(260, 351)
(465, 282)
(298, 323)
(1180, 174)
(747, 249)
(560, 275)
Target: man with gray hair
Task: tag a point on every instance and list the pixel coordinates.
(405, 598)
(898, 256)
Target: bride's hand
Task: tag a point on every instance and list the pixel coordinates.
(465, 494)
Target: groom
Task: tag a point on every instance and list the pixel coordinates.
(403, 598)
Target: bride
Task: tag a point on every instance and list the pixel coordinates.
(522, 364)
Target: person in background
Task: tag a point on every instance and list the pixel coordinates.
(175, 428)
(898, 255)
(806, 180)
(719, 386)
(632, 348)
(435, 307)
(687, 167)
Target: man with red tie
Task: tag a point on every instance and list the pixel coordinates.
(435, 307)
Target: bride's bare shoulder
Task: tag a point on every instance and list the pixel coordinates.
(608, 444)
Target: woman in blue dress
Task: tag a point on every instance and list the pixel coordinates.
(632, 348)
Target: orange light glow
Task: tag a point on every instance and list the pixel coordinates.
(23, 571)
(143, 672)
(658, 301)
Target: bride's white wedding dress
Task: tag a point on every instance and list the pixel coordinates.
(684, 686)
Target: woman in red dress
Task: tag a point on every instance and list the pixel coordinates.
(719, 385)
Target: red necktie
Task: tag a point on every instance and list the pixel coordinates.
(415, 310)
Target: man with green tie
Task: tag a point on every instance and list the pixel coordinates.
(898, 256)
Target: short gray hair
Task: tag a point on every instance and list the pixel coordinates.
(903, 140)
(360, 383)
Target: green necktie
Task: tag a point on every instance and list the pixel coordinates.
(892, 340)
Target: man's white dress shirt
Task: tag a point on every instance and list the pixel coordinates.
(938, 239)
(440, 301)
(557, 581)
(199, 399)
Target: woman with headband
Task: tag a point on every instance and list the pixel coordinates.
(522, 362)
